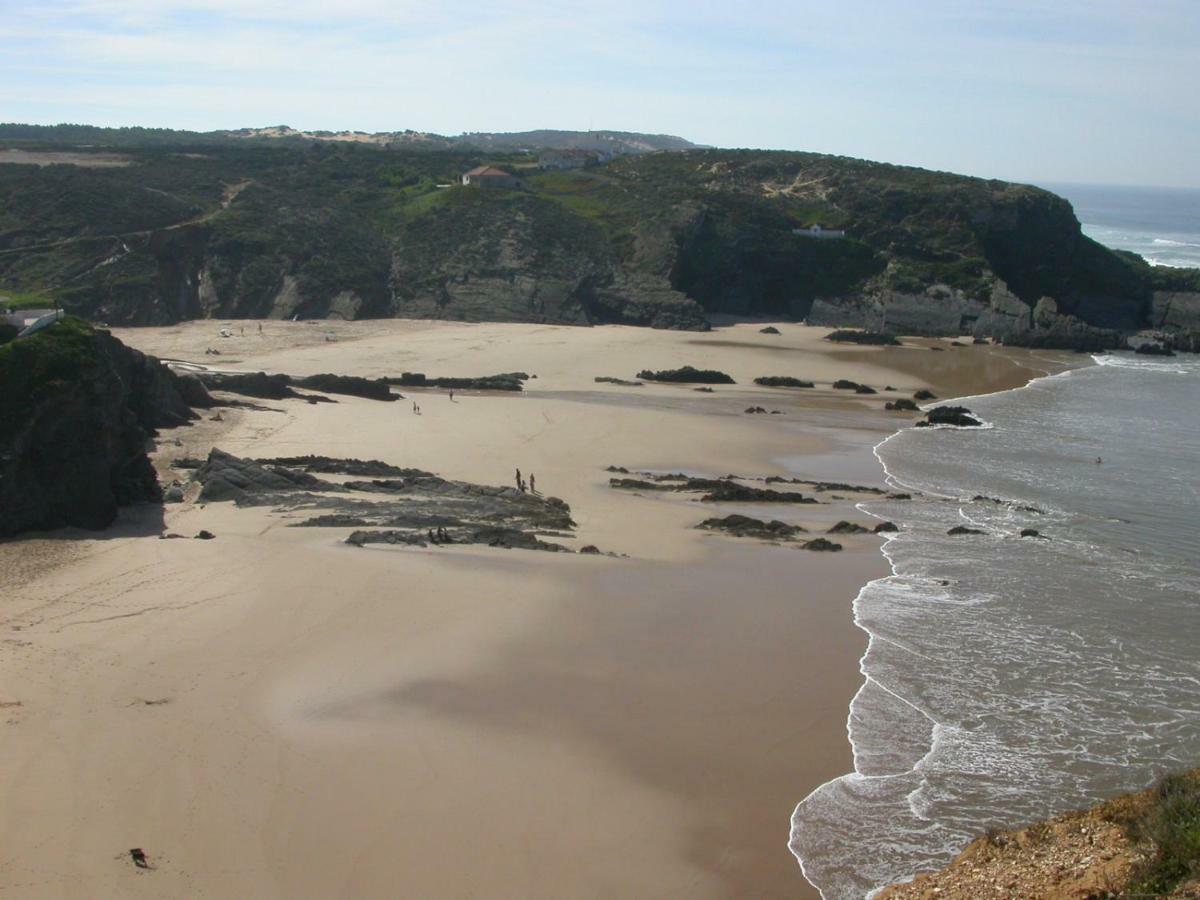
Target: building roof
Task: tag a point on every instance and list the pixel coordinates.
(488, 172)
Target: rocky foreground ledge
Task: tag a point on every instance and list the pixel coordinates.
(1138, 845)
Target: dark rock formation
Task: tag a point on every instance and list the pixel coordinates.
(227, 477)
(746, 526)
(902, 405)
(731, 491)
(251, 384)
(873, 338)
(924, 394)
(782, 381)
(844, 384)
(687, 375)
(1153, 349)
(492, 536)
(193, 392)
(1030, 532)
(77, 411)
(604, 379)
(770, 329)
(822, 544)
(884, 527)
(958, 416)
(865, 389)
(755, 410)
(364, 468)
(351, 385)
(845, 527)
(204, 535)
(505, 381)
(963, 529)
(413, 506)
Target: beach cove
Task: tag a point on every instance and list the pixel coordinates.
(277, 713)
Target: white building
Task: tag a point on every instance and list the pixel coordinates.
(819, 231)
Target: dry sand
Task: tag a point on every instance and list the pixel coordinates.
(276, 714)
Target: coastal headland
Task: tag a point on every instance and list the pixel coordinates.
(276, 712)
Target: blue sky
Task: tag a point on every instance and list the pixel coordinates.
(1098, 91)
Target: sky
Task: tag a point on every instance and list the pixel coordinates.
(1098, 91)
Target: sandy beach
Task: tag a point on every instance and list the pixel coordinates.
(274, 713)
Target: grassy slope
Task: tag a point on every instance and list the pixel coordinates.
(716, 223)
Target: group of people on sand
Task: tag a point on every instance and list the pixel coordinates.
(417, 406)
(531, 487)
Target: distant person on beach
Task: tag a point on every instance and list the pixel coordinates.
(452, 396)
(1098, 460)
(532, 483)
(518, 479)
(260, 327)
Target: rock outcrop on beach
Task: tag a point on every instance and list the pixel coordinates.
(747, 526)
(1136, 845)
(280, 387)
(958, 416)
(505, 381)
(686, 375)
(845, 527)
(78, 410)
(399, 505)
(782, 381)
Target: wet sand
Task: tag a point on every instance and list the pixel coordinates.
(276, 714)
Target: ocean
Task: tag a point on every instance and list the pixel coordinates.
(1010, 678)
(1161, 224)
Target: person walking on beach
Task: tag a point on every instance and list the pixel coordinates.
(260, 327)
(532, 483)
(518, 479)
(452, 396)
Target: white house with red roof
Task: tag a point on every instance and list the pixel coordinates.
(490, 177)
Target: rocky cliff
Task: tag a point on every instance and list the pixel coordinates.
(1138, 845)
(77, 411)
(660, 239)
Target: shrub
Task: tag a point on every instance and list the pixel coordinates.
(1173, 825)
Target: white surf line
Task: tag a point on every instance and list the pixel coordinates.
(892, 481)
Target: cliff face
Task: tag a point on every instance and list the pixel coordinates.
(659, 239)
(1138, 845)
(76, 414)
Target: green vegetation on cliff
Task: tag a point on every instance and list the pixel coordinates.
(39, 367)
(248, 228)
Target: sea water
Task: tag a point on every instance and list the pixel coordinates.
(1009, 678)
(1160, 224)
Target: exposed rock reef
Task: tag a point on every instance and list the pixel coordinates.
(687, 375)
(782, 381)
(77, 413)
(746, 526)
(958, 416)
(388, 504)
